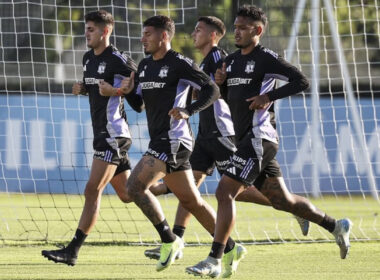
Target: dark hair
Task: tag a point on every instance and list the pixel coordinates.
(215, 23)
(100, 17)
(161, 22)
(253, 12)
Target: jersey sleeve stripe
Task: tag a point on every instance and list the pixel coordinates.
(216, 55)
(117, 80)
(276, 76)
(120, 56)
(190, 83)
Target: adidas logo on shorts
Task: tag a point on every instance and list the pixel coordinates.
(232, 170)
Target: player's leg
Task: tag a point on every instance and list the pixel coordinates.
(183, 216)
(119, 183)
(228, 189)
(202, 162)
(148, 171)
(101, 174)
(253, 195)
(181, 221)
(182, 184)
(246, 165)
(274, 188)
(159, 188)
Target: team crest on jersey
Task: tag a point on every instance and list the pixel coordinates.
(102, 67)
(163, 72)
(250, 66)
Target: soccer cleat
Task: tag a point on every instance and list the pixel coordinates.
(168, 253)
(231, 260)
(63, 255)
(304, 225)
(155, 253)
(210, 267)
(342, 236)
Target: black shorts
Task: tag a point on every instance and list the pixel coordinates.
(174, 154)
(118, 157)
(254, 161)
(212, 152)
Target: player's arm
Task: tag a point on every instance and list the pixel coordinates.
(199, 80)
(207, 95)
(208, 91)
(125, 71)
(283, 70)
(219, 69)
(131, 89)
(279, 68)
(79, 88)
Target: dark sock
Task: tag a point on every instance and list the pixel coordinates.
(179, 230)
(77, 241)
(328, 223)
(229, 245)
(217, 250)
(167, 236)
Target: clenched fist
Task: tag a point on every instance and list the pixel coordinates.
(78, 88)
(221, 75)
(128, 83)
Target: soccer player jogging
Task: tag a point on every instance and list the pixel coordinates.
(214, 144)
(163, 80)
(249, 74)
(104, 67)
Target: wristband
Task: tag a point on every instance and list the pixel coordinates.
(119, 92)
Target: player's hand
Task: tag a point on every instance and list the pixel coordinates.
(221, 75)
(78, 88)
(128, 83)
(179, 113)
(105, 89)
(258, 102)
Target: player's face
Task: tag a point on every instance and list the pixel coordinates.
(201, 35)
(94, 35)
(151, 39)
(244, 32)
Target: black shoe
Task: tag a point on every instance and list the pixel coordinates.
(62, 256)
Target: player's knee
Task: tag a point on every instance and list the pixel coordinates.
(134, 187)
(192, 204)
(281, 203)
(223, 195)
(125, 198)
(91, 192)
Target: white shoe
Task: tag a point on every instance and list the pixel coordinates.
(155, 253)
(231, 260)
(168, 253)
(342, 236)
(304, 225)
(209, 267)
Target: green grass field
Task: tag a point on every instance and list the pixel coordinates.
(33, 219)
(31, 223)
(286, 261)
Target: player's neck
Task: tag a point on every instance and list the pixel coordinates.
(249, 49)
(161, 52)
(207, 48)
(100, 49)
